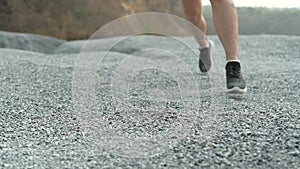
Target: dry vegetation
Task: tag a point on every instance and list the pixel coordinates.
(79, 19)
(70, 19)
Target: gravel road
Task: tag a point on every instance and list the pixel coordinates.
(175, 117)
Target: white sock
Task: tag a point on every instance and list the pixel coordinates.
(206, 46)
(232, 61)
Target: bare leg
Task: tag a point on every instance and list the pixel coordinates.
(226, 24)
(193, 13)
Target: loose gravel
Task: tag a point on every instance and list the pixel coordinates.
(39, 127)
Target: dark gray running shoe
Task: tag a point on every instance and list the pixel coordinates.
(205, 59)
(234, 78)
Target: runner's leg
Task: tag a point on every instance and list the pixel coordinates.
(193, 13)
(226, 24)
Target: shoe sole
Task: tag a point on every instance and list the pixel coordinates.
(236, 90)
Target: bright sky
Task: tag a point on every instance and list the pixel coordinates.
(265, 3)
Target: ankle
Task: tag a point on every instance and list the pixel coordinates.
(205, 44)
(233, 60)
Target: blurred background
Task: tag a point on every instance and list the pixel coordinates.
(79, 19)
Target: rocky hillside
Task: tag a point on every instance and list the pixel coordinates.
(69, 19)
(79, 19)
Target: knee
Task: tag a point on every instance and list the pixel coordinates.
(213, 2)
(193, 16)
